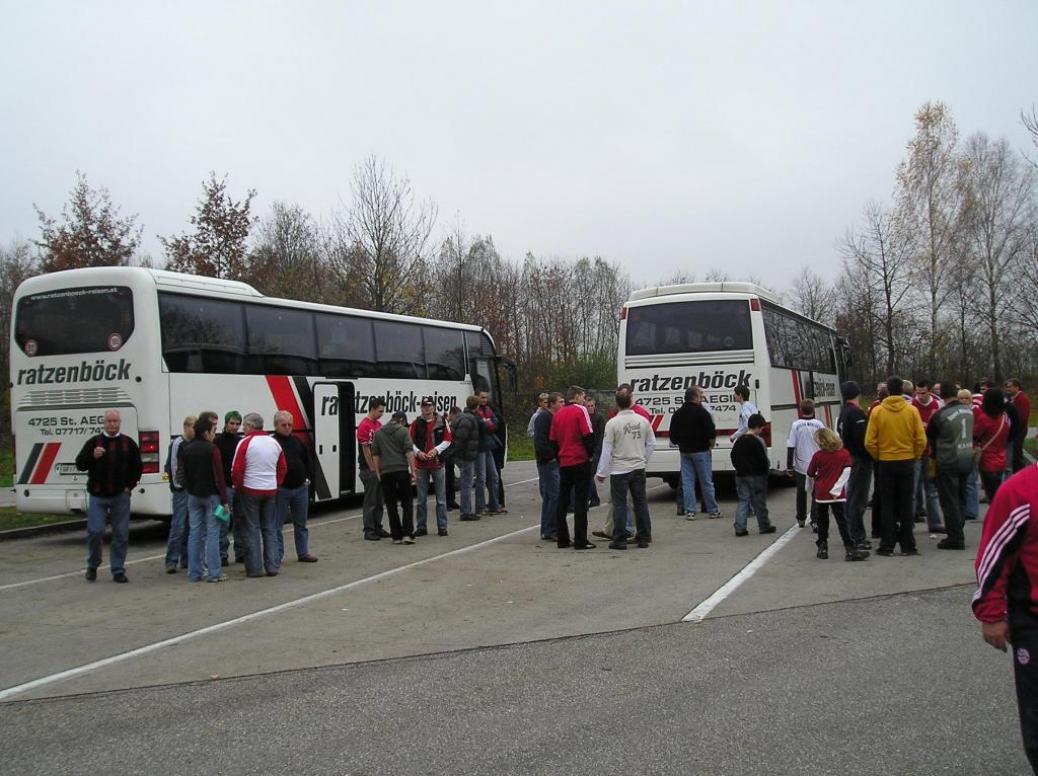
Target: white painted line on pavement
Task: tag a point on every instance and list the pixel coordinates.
(729, 587)
(149, 558)
(10, 692)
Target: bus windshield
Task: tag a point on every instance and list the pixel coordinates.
(689, 327)
(88, 319)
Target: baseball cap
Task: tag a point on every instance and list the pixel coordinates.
(427, 400)
(400, 415)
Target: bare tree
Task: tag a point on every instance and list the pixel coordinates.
(999, 210)
(813, 296)
(929, 202)
(1031, 125)
(219, 245)
(286, 258)
(92, 233)
(381, 238)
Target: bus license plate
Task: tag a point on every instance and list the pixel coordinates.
(68, 468)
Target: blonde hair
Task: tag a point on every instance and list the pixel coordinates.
(828, 440)
(190, 421)
(965, 396)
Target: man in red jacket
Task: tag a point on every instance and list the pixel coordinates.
(1006, 601)
(572, 433)
(1019, 400)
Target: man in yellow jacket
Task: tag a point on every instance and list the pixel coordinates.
(896, 439)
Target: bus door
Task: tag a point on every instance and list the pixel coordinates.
(335, 448)
(484, 378)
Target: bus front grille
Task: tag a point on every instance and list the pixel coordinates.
(86, 397)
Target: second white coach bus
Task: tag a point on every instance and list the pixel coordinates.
(158, 346)
(718, 336)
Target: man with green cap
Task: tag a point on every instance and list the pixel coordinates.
(227, 441)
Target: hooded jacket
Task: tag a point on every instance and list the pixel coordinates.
(895, 431)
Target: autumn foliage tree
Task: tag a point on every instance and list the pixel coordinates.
(91, 233)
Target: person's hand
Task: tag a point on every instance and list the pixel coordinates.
(600, 479)
(99, 451)
(995, 633)
(789, 472)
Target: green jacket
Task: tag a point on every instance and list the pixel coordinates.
(391, 444)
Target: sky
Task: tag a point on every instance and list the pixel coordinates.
(665, 136)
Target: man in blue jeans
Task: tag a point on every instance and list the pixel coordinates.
(547, 456)
(176, 543)
(466, 452)
(294, 492)
(113, 465)
(202, 468)
(693, 431)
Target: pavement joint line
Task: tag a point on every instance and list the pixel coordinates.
(70, 673)
(149, 558)
(747, 571)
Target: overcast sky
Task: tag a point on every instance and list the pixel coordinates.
(664, 136)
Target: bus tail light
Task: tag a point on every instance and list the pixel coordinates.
(623, 313)
(755, 304)
(149, 442)
(766, 434)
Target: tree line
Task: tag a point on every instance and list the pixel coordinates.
(939, 281)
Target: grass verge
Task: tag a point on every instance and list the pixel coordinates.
(12, 518)
(6, 467)
(520, 447)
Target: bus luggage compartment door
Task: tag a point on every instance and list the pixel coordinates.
(334, 440)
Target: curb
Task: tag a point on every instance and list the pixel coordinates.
(37, 530)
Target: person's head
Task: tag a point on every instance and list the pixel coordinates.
(453, 412)
(742, 393)
(807, 408)
(907, 387)
(922, 389)
(542, 401)
(400, 417)
(113, 421)
(623, 399)
(592, 406)
(984, 384)
(484, 398)
(828, 440)
(189, 427)
(994, 402)
(203, 428)
(252, 421)
(376, 407)
(209, 415)
(555, 400)
(428, 407)
(471, 402)
(692, 395)
(882, 391)
(936, 389)
(232, 422)
(895, 386)
(283, 422)
(575, 395)
(850, 391)
(1012, 387)
(949, 392)
(755, 423)
(965, 396)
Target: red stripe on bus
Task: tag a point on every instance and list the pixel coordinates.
(656, 421)
(285, 398)
(796, 389)
(50, 452)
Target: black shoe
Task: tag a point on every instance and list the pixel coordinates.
(254, 574)
(601, 534)
(948, 544)
(769, 529)
(939, 530)
(866, 545)
(383, 533)
(562, 545)
(920, 518)
(451, 506)
(853, 553)
(372, 537)
(441, 532)
(642, 544)
(744, 533)
(613, 546)
(910, 553)
(421, 532)
(91, 575)
(224, 562)
(584, 546)
(240, 560)
(467, 518)
(272, 573)
(120, 577)
(549, 538)
(823, 553)
(886, 552)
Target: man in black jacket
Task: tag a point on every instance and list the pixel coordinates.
(294, 493)
(547, 455)
(851, 428)
(466, 450)
(227, 442)
(692, 430)
(598, 422)
(113, 465)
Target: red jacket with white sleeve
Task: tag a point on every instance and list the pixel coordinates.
(259, 465)
(571, 431)
(1007, 558)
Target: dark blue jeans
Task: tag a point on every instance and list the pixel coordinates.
(619, 486)
(297, 501)
(117, 510)
(858, 497)
(261, 532)
(753, 493)
(548, 482)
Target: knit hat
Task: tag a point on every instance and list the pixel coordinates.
(850, 390)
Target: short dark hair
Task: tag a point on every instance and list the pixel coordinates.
(573, 392)
(471, 402)
(623, 399)
(691, 393)
(756, 420)
(807, 407)
(376, 402)
(924, 383)
(994, 402)
(1013, 381)
(949, 390)
(203, 426)
(743, 391)
(895, 385)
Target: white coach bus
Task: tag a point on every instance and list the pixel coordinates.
(718, 336)
(159, 346)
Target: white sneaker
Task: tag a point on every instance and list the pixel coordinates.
(690, 515)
